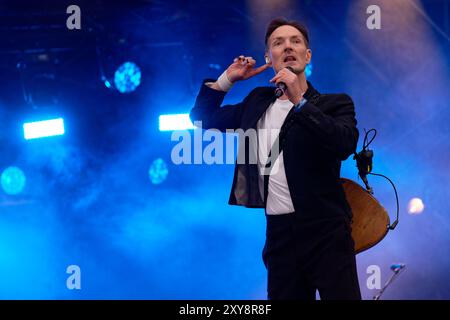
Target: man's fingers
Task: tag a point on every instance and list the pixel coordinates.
(282, 73)
(249, 64)
(251, 61)
(275, 78)
(240, 59)
(260, 69)
(247, 61)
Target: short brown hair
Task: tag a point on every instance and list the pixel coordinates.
(278, 22)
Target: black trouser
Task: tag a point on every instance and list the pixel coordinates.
(303, 255)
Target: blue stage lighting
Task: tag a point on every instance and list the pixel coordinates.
(158, 171)
(170, 122)
(13, 180)
(107, 84)
(46, 128)
(215, 66)
(127, 77)
(308, 70)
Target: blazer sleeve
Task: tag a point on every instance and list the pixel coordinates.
(337, 132)
(208, 110)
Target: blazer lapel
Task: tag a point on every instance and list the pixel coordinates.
(259, 106)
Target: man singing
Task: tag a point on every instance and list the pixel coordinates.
(308, 244)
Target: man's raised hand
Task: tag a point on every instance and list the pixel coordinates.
(243, 68)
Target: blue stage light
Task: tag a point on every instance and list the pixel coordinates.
(170, 122)
(46, 128)
(308, 70)
(158, 171)
(127, 77)
(107, 84)
(13, 180)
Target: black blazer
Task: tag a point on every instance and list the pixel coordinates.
(320, 134)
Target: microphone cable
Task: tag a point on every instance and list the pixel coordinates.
(364, 164)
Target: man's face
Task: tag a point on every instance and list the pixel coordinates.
(286, 47)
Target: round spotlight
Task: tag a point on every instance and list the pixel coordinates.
(415, 206)
(13, 180)
(308, 70)
(158, 171)
(127, 77)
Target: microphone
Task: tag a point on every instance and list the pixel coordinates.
(281, 86)
(397, 267)
(364, 164)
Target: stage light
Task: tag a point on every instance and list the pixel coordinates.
(171, 122)
(308, 70)
(107, 84)
(158, 171)
(13, 180)
(46, 128)
(127, 77)
(215, 66)
(415, 206)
